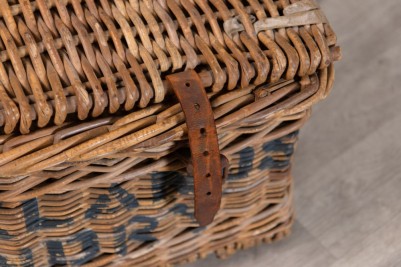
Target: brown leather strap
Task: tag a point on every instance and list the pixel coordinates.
(205, 153)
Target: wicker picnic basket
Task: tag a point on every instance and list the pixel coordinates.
(152, 132)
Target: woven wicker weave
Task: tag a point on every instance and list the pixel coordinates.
(92, 137)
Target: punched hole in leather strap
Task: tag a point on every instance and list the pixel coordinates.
(207, 163)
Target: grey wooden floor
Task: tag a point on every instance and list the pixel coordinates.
(348, 163)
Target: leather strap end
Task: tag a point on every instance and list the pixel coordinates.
(203, 142)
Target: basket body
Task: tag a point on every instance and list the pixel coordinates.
(94, 144)
(148, 221)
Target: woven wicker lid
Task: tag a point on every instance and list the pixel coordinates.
(64, 61)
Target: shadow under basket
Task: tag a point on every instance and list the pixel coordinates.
(152, 132)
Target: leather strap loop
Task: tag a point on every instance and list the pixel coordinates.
(206, 160)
